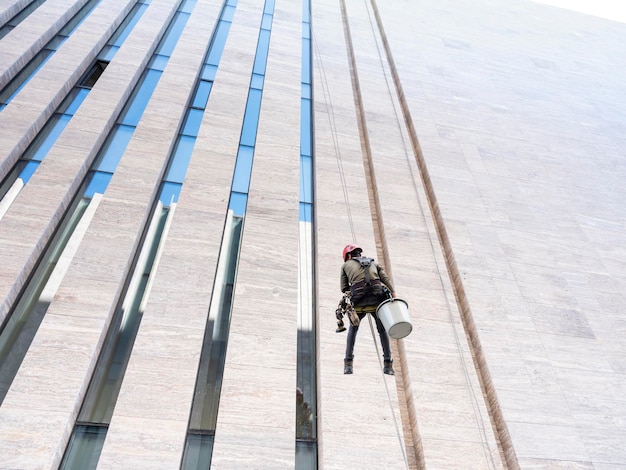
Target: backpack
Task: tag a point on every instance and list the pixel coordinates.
(368, 291)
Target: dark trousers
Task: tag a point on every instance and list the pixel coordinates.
(384, 339)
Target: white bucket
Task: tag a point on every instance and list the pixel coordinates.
(394, 314)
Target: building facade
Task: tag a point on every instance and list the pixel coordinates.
(178, 179)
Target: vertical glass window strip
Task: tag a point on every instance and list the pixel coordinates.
(90, 431)
(203, 418)
(29, 71)
(306, 387)
(19, 17)
(87, 439)
(41, 145)
(23, 321)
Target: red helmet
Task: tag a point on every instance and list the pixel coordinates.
(348, 249)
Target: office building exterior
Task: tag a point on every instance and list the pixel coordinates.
(178, 179)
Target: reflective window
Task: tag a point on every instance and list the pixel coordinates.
(46, 139)
(306, 177)
(76, 98)
(85, 446)
(238, 203)
(251, 118)
(192, 122)
(114, 148)
(305, 127)
(202, 94)
(170, 193)
(260, 60)
(187, 6)
(127, 25)
(208, 72)
(306, 61)
(243, 169)
(180, 159)
(219, 41)
(173, 33)
(158, 62)
(306, 212)
(257, 81)
(98, 183)
(141, 96)
(229, 13)
(28, 171)
(266, 22)
(306, 388)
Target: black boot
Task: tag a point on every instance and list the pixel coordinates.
(347, 366)
(388, 369)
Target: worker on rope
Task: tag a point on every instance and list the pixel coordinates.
(367, 284)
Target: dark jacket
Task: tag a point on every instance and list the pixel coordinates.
(353, 275)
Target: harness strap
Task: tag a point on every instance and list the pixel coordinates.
(366, 263)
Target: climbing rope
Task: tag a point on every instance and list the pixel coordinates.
(330, 111)
(332, 123)
(395, 421)
(474, 400)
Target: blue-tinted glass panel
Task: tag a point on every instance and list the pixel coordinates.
(306, 14)
(187, 6)
(208, 72)
(173, 33)
(229, 13)
(269, 6)
(98, 184)
(47, 138)
(78, 18)
(85, 447)
(54, 44)
(180, 160)
(114, 148)
(306, 91)
(158, 62)
(306, 61)
(306, 177)
(198, 451)
(77, 96)
(238, 203)
(139, 101)
(122, 32)
(306, 212)
(28, 171)
(202, 94)
(21, 79)
(266, 22)
(251, 118)
(243, 169)
(219, 40)
(192, 122)
(107, 53)
(169, 193)
(257, 81)
(305, 127)
(260, 60)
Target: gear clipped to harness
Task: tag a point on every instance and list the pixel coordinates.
(345, 308)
